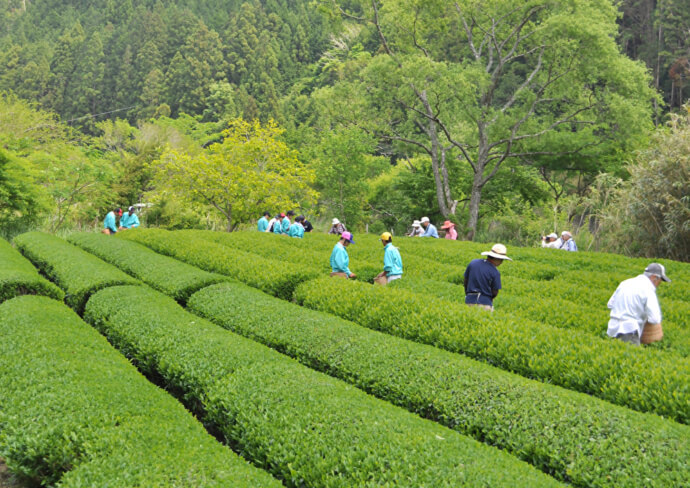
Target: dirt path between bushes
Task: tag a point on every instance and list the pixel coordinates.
(6, 479)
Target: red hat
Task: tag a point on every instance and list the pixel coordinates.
(447, 224)
(282, 214)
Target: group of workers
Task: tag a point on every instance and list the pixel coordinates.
(128, 220)
(282, 224)
(634, 305)
(565, 242)
(424, 228)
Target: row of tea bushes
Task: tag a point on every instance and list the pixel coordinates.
(19, 277)
(75, 412)
(275, 277)
(576, 438)
(77, 272)
(304, 427)
(575, 360)
(170, 276)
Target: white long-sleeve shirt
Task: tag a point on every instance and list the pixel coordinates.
(632, 305)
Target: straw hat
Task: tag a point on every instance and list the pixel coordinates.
(447, 224)
(498, 251)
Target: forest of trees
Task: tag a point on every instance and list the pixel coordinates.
(510, 118)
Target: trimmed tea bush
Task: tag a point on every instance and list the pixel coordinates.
(19, 277)
(77, 272)
(73, 411)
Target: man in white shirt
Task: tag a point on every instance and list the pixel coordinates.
(551, 241)
(634, 304)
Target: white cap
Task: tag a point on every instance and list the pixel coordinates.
(552, 236)
(335, 222)
(498, 251)
(566, 233)
(425, 219)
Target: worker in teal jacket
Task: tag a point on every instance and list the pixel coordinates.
(392, 262)
(262, 224)
(340, 261)
(297, 229)
(109, 226)
(129, 220)
(277, 225)
(286, 221)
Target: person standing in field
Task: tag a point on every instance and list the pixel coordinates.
(278, 224)
(285, 224)
(482, 279)
(429, 228)
(109, 226)
(340, 261)
(262, 224)
(297, 229)
(337, 227)
(129, 220)
(392, 262)
(635, 307)
(551, 241)
(568, 243)
(451, 233)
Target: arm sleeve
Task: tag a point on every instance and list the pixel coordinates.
(387, 262)
(653, 310)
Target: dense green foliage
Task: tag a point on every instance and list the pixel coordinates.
(77, 413)
(542, 424)
(172, 277)
(19, 277)
(572, 359)
(77, 272)
(278, 278)
(304, 427)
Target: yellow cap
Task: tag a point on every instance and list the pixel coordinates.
(386, 236)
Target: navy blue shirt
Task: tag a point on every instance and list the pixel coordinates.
(482, 280)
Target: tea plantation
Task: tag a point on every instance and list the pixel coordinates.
(196, 358)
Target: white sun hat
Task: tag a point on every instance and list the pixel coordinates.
(498, 251)
(335, 222)
(416, 223)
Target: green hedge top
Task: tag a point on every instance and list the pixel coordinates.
(644, 380)
(77, 272)
(75, 411)
(278, 278)
(576, 438)
(19, 277)
(306, 428)
(174, 278)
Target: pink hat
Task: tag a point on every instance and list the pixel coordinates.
(448, 224)
(348, 237)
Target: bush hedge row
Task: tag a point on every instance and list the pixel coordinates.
(278, 278)
(576, 438)
(305, 427)
(77, 272)
(644, 380)
(170, 276)
(73, 411)
(19, 277)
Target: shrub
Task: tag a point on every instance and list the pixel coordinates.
(19, 277)
(77, 272)
(604, 368)
(574, 437)
(74, 411)
(306, 428)
(172, 277)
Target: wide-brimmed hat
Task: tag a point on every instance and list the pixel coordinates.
(348, 237)
(335, 222)
(498, 251)
(447, 224)
(424, 219)
(416, 223)
(657, 269)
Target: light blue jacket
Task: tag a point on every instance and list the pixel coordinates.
(286, 225)
(431, 231)
(340, 261)
(129, 221)
(296, 230)
(277, 227)
(392, 262)
(569, 245)
(262, 225)
(109, 222)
